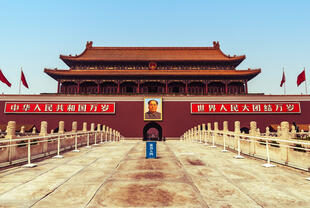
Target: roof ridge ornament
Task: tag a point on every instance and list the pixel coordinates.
(89, 44)
(216, 44)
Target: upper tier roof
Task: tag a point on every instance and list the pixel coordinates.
(179, 54)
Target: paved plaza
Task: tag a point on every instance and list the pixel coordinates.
(185, 175)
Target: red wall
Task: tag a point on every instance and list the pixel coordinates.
(176, 118)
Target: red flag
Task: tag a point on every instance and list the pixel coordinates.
(23, 78)
(4, 80)
(283, 79)
(301, 77)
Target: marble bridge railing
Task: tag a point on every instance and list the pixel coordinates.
(15, 149)
(281, 148)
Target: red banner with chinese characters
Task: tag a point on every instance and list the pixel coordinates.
(246, 108)
(60, 107)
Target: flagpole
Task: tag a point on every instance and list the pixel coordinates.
(20, 80)
(284, 83)
(305, 81)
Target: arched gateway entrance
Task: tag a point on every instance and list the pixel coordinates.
(152, 131)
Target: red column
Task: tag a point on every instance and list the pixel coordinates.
(226, 88)
(246, 86)
(78, 88)
(98, 88)
(186, 87)
(117, 87)
(138, 90)
(166, 87)
(206, 87)
(58, 87)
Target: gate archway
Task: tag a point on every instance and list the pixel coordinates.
(150, 129)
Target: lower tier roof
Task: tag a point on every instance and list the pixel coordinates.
(102, 74)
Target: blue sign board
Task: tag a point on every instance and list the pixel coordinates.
(151, 151)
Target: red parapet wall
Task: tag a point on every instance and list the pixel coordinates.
(176, 112)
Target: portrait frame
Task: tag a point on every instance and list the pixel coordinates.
(159, 110)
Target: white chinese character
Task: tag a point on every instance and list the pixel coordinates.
(256, 107)
(37, 108)
(290, 107)
(279, 107)
(48, 107)
(223, 108)
(71, 108)
(60, 107)
(201, 108)
(245, 108)
(212, 108)
(104, 108)
(234, 108)
(267, 108)
(26, 107)
(82, 108)
(93, 107)
(14, 107)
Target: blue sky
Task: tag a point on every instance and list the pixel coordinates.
(272, 35)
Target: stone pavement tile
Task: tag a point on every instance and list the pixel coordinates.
(23, 175)
(69, 196)
(171, 174)
(4, 187)
(217, 188)
(8, 171)
(17, 203)
(104, 164)
(148, 164)
(227, 204)
(60, 173)
(269, 195)
(83, 161)
(145, 194)
(86, 176)
(58, 161)
(141, 155)
(29, 192)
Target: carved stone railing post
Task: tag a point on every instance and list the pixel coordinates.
(208, 132)
(22, 129)
(110, 132)
(285, 135)
(225, 138)
(34, 130)
(10, 134)
(199, 133)
(10, 130)
(257, 132)
(204, 133)
(253, 132)
(216, 129)
(192, 134)
(195, 133)
(278, 131)
(84, 126)
(61, 128)
(74, 126)
(237, 131)
(43, 130)
(267, 132)
(293, 132)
